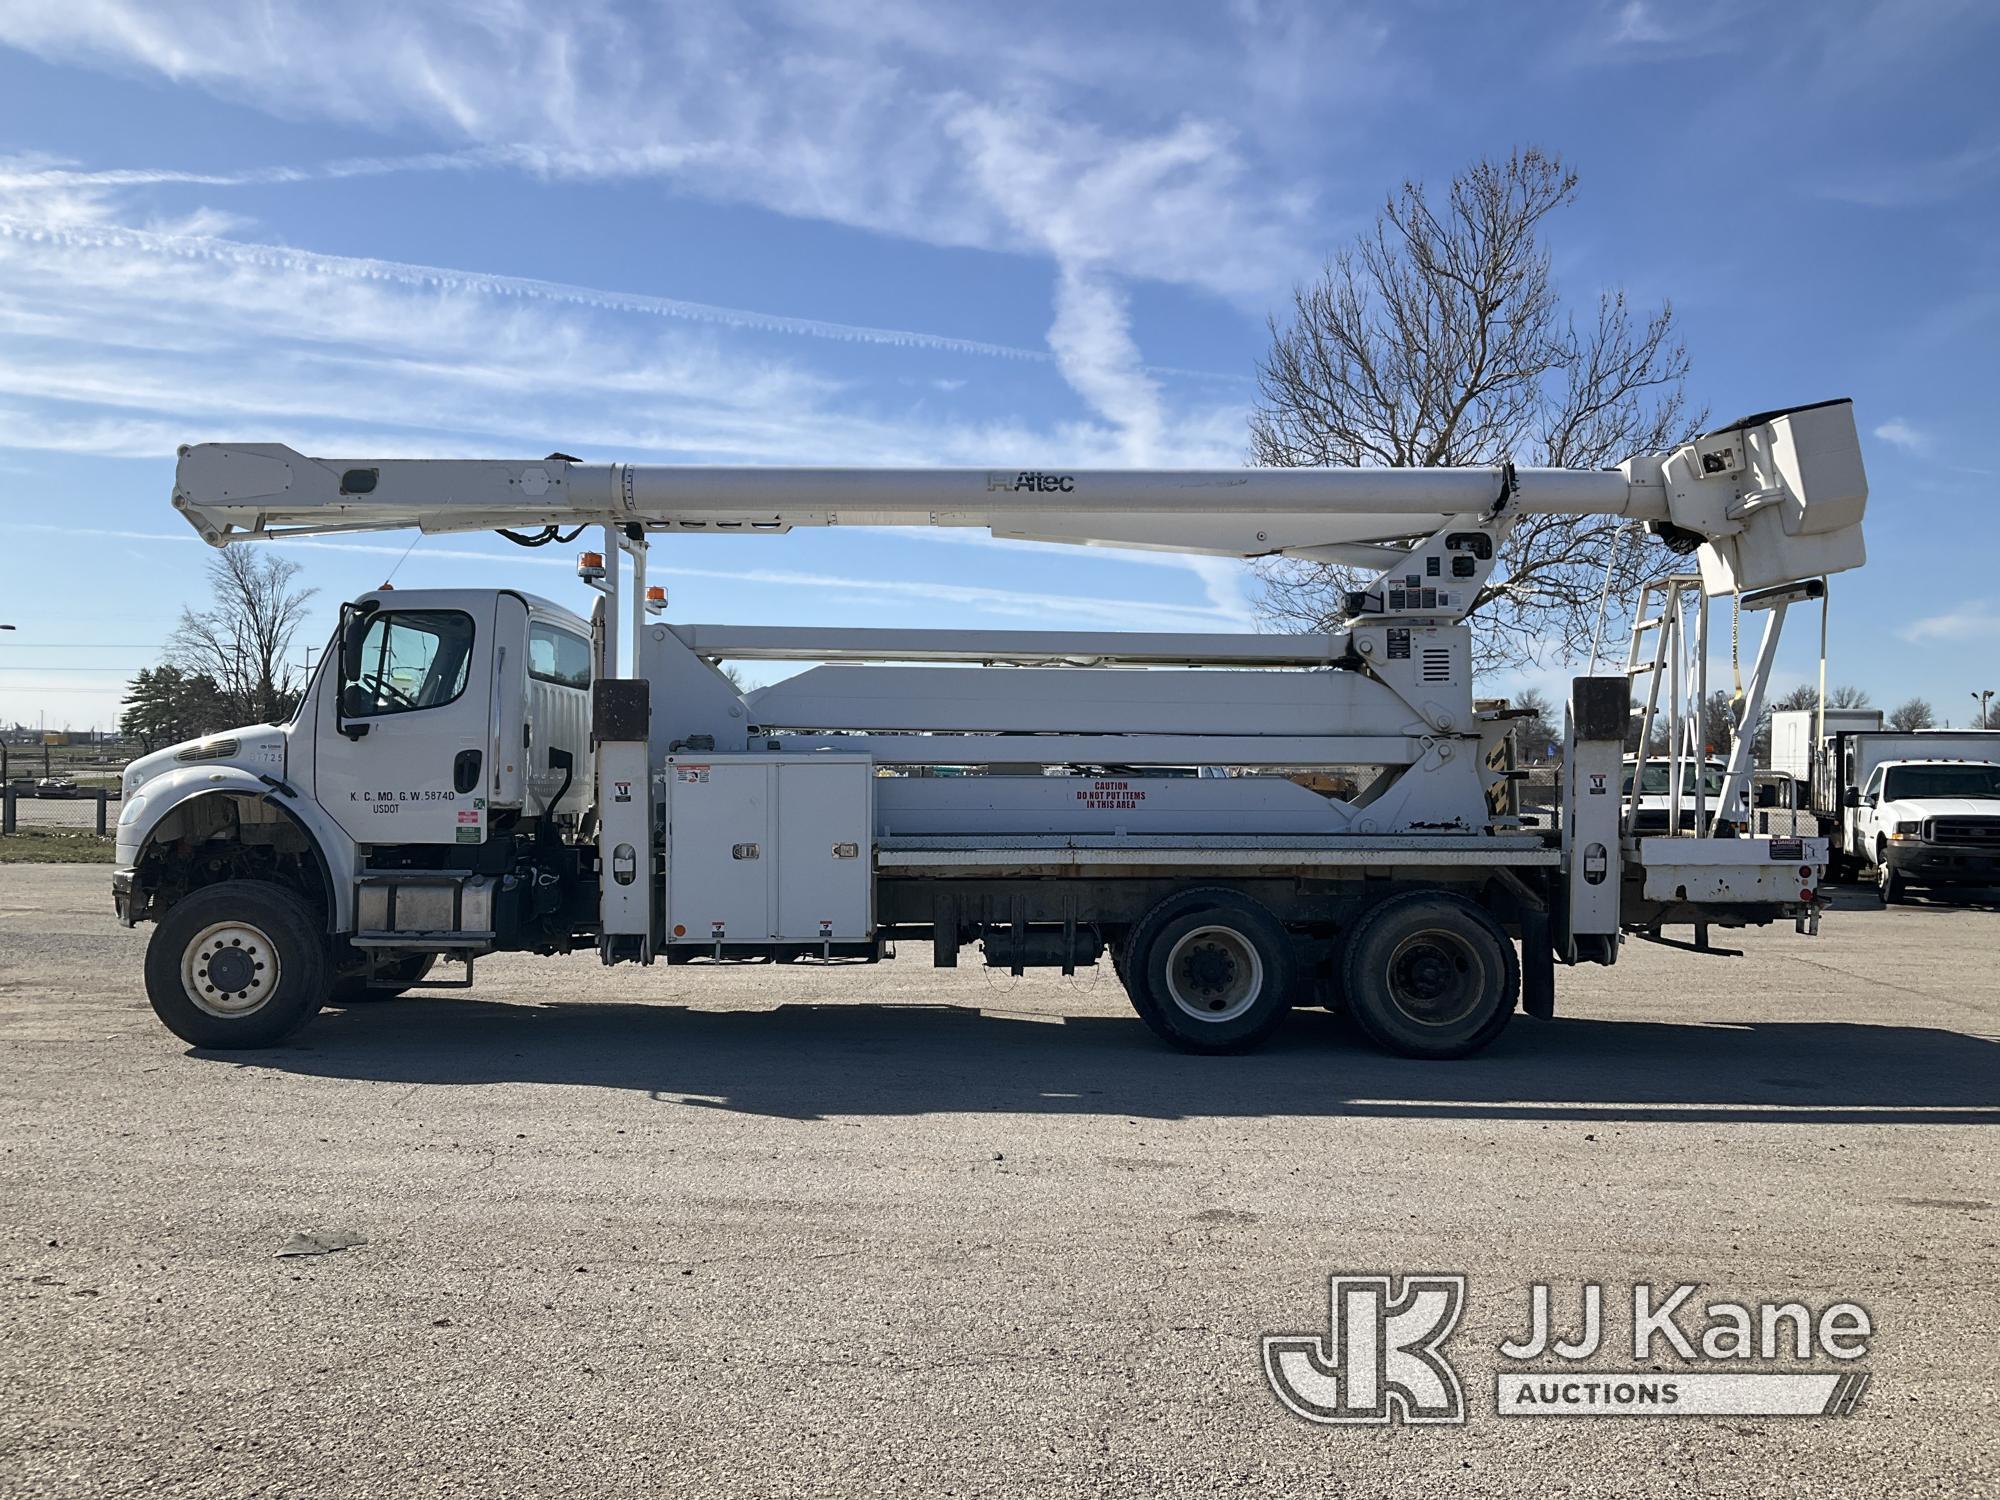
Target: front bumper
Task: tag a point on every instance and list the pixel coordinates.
(121, 897)
(1944, 864)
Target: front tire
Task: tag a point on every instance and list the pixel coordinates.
(1211, 971)
(239, 964)
(1431, 974)
(1889, 881)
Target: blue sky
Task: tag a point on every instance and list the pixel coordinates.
(908, 233)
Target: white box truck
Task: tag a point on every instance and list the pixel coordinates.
(1915, 808)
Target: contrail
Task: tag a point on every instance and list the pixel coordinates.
(443, 278)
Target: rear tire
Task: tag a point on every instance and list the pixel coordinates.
(239, 964)
(1211, 971)
(1431, 974)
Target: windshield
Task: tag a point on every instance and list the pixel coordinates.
(1654, 780)
(1941, 781)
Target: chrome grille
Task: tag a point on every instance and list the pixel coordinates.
(1980, 832)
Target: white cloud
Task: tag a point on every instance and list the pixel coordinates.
(1028, 604)
(1908, 183)
(186, 337)
(198, 237)
(889, 121)
(1901, 434)
(1092, 340)
(1971, 622)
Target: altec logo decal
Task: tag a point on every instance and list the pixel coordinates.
(1382, 1358)
(1031, 481)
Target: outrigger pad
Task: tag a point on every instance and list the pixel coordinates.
(621, 708)
(1602, 707)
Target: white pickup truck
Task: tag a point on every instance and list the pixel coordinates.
(1655, 810)
(1931, 823)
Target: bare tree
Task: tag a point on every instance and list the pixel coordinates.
(1537, 729)
(241, 641)
(1806, 696)
(1913, 713)
(1437, 338)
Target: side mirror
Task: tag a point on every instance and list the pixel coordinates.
(1852, 797)
(353, 631)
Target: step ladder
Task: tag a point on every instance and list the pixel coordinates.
(1660, 620)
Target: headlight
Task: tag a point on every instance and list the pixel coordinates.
(129, 812)
(1908, 830)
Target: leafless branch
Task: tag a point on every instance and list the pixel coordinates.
(1437, 338)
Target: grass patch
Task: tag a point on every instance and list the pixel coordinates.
(55, 846)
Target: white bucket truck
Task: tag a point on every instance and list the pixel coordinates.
(482, 771)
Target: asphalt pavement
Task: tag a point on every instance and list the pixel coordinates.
(875, 1230)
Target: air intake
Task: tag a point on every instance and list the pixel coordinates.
(220, 749)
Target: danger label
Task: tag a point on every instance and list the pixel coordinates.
(1111, 796)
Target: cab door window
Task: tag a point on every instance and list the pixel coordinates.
(557, 655)
(410, 659)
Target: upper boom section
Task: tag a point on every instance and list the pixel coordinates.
(1781, 478)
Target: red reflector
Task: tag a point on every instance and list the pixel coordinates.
(1805, 895)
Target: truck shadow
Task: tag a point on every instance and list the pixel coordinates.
(1958, 898)
(808, 1062)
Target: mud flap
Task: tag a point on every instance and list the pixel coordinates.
(1538, 966)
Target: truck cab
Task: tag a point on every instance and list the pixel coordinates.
(430, 796)
(1930, 823)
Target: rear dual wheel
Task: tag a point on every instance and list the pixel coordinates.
(1430, 974)
(1209, 971)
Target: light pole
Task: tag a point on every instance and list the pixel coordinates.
(1982, 699)
(3, 743)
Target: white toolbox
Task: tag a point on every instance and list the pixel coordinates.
(770, 848)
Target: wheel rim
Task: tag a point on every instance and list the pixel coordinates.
(230, 969)
(1437, 978)
(1214, 974)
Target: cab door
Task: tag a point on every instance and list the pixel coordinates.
(402, 738)
(1868, 816)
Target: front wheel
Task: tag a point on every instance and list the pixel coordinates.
(239, 964)
(1889, 881)
(1431, 974)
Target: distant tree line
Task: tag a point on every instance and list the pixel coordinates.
(1540, 723)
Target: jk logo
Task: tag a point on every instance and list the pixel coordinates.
(1379, 1360)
